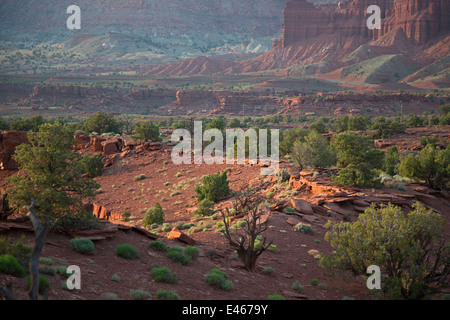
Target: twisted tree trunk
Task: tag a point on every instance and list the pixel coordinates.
(40, 233)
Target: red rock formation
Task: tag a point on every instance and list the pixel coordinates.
(9, 140)
(420, 20)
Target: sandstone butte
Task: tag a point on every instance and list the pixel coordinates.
(311, 34)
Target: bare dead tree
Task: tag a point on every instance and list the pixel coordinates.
(39, 233)
(243, 239)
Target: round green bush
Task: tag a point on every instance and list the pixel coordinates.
(219, 279)
(10, 265)
(82, 245)
(158, 245)
(177, 254)
(164, 274)
(192, 252)
(127, 251)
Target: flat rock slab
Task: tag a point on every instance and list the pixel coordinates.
(176, 234)
(302, 206)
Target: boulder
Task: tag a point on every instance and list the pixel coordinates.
(110, 146)
(302, 206)
(176, 234)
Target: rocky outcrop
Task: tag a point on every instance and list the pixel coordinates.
(9, 140)
(420, 20)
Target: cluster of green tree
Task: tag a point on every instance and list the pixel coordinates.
(361, 163)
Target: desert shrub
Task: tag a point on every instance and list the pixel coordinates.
(43, 282)
(116, 278)
(192, 252)
(410, 249)
(167, 295)
(269, 195)
(92, 165)
(322, 286)
(304, 228)
(275, 297)
(164, 274)
(146, 130)
(391, 160)
(282, 176)
(424, 141)
(18, 249)
(177, 254)
(83, 245)
(101, 123)
(358, 157)
(214, 187)
(45, 260)
(289, 137)
(158, 245)
(139, 177)
(166, 227)
(47, 270)
(314, 282)
(205, 208)
(289, 210)
(268, 270)
(401, 187)
(315, 151)
(140, 294)
(126, 215)
(297, 286)
(127, 251)
(154, 215)
(218, 279)
(109, 296)
(62, 270)
(10, 265)
(431, 166)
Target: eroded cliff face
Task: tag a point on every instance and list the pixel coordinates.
(420, 20)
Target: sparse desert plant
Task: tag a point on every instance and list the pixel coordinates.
(92, 165)
(205, 208)
(275, 297)
(297, 286)
(282, 175)
(45, 260)
(268, 270)
(140, 294)
(139, 177)
(177, 254)
(43, 283)
(154, 215)
(116, 278)
(192, 252)
(289, 210)
(314, 282)
(218, 279)
(164, 274)
(167, 295)
(214, 187)
(158, 245)
(83, 245)
(304, 228)
(10, 265)
(127, 251)
(126, 215)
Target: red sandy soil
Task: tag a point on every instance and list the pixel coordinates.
(292, 261)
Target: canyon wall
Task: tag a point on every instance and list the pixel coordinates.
(420, 20)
